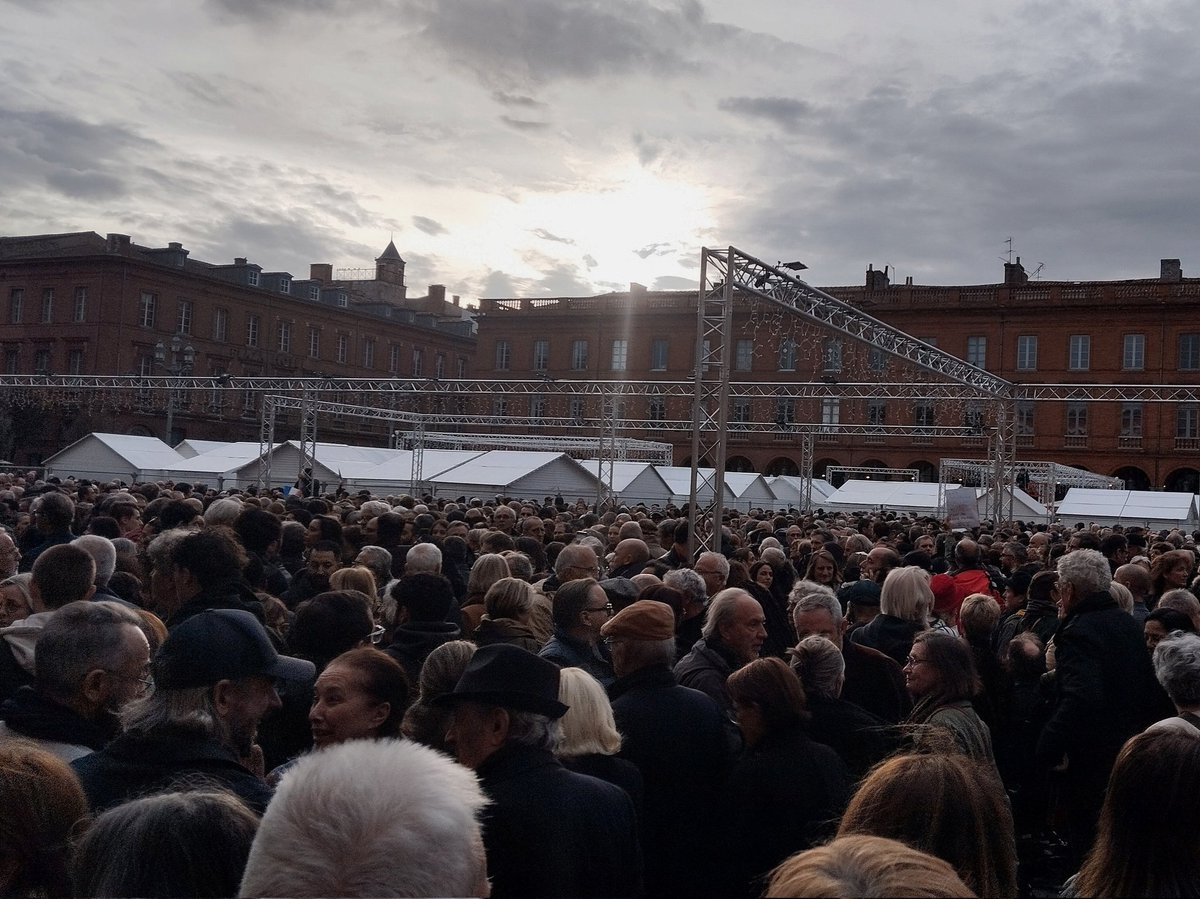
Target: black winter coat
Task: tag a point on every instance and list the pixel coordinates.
(890, 635)
(551, 832)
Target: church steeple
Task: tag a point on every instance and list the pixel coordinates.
(389, 266)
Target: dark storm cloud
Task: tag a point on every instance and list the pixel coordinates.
(790, 115)
(279, 243)
(538, 41)
(428, 225)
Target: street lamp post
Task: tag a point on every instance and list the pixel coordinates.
(182, 361)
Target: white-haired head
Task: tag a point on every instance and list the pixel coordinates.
(424, 558)
(371, 818)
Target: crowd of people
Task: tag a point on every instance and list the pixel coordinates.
(215, 694)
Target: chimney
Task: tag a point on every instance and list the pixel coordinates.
(1170, 271)
(457, 299)
(320, 271)
(437, 292)
(117, 243)
(908, 281)
(1014, 274)
(877, 280)
(239, 260)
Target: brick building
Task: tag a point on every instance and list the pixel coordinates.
(1136, 332)
(80, 303)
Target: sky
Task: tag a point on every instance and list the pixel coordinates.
(570, 147)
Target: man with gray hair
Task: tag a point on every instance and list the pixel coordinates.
(104, 554)
(547, 831)
(1177, 667)
(92, 658)
(423, 558)
(733, 635)
(378, 561)
(695, 598)
(873, 680)
(1106, 691)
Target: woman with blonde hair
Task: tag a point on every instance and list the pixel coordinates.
(590, 741)
(488, 568)
(356, 577)
(509, 605)
(944, 804)
(1170, 570)
(905, 602)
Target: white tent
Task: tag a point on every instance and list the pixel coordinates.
(519, 474)
(916, 497)
(788, 490)
(743, 490)
(1140, 508)
(109, 457)
(1024, 506)
(192, 447)
(634, 482)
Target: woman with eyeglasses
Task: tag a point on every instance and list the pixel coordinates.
(941, 676)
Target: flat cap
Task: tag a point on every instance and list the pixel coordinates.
(645, 619)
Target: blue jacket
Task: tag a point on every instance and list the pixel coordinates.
(566, 652)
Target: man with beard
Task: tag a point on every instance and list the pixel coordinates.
(91, 660)
(214, 679)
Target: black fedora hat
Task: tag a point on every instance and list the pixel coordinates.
(506, 675)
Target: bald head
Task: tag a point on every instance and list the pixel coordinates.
(1136, 580)
(632, 551)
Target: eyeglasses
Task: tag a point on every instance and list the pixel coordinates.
(608, 607)
(912, 662)
(146, 681)
(376, 634)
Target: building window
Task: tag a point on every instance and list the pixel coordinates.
(220, 331)
(1189, 352)
(924, 415)
(145, 365)
(831, 413)
(285, 285)
(787, 354)
(1187, 422)
(541, 355)
(743, 355)
(1079, 355)
(656, 409)
(785, 413)
(973, 417)
(579, 355)
(314, 292)
(1131, 419)
(876, 413)
(876, 360)
(1027, 352)
(620, 354)
(1024, 415)
(47, 305)
(343, 348)
(184, 323)
(314, 343)
(394, 352)
(658, 354)
(342, 299)
(932, 341)
(1077, 419)
(742, 413)
(251, 330)
(537, 408)
(284, 334)
(1133, 357)
(252, 277)
(500, 407)
(577, 410)
(462, 367)
(12, 361)
(503, 355)
(80, 304)
(439, 366)
(41, 362)
(418, 364)
(369, 353)
(147, 309)
(831, 355)
(977, 352)
(75, 362)
(16, 305)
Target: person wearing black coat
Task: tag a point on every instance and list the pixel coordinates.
(1105, 686)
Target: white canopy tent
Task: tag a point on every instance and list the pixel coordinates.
(519, 474)
(109, 457)
(1024, 506)
(635, 482)
(1139, 508)
(788, 490)
(915, 497)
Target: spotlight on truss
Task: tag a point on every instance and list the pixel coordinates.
(794, 266)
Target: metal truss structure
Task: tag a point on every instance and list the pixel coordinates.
(625, 449)
(866, 472)
(1040, 479)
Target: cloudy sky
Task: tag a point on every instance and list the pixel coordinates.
(563, 147)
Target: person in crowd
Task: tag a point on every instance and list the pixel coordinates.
(1181, 600)
(323, 558)
(41, 808)
(192, 843)
(733, 636)
(1177, 667)
(425, 722)
(762, 584)
(10, 555)
(786, 791)
(1137, 581)
(259, 533)
(905, 601)
(505, 725)
(1146, 840)
(376, 560)
(823, 569)
(691, 617)
(15, 601)
(423, 603)
(858, 737)
(1161, 623)
(861, 865)
(978, 618)
(946, 804)
(356, 577)
(942, 679)
(207, 571)
(580, 611)
(488, 568)
(214, 679)
(63, 574)
(655, 716)
(361, 694)
(509, 603)
(590, 741)
(399, 819)
(1106, 691)
(1171, 570)
(92, 659)
(53, 514)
